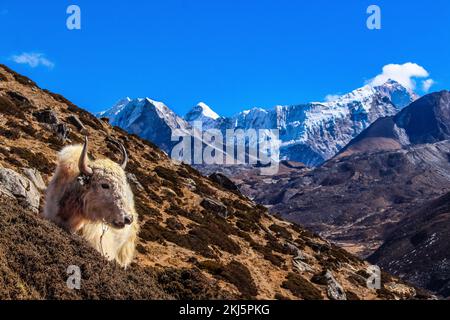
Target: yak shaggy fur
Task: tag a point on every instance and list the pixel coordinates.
(72, 205)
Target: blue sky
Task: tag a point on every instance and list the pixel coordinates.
(231, 54)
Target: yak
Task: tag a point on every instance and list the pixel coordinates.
(94, 199)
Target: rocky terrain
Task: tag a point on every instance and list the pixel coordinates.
(363, 197)
(200, 238)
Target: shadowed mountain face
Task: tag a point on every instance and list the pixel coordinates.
(418, 249)
(354, 200)
(199, 239)
(427, 120)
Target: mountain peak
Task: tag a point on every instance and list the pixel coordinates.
(201, 112)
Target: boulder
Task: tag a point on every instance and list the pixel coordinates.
(62, 130)
(46, 116)
(17, 186)
(301, 266)
(215, 207)
(35, 176)
(224, 182)
(334, 289)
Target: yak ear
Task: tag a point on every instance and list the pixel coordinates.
(83, 162)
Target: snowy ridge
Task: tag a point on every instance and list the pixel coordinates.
(311, 133)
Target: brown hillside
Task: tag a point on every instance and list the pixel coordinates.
(190, 247)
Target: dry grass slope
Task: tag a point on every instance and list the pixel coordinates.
(185, 251)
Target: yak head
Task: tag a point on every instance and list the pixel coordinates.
(106, 195)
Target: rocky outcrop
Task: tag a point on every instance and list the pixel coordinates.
(224, 182)
(215, 207)
(35, 177)
(334, 290)
(15, 185)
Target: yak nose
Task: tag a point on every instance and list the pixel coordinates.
(128, 219)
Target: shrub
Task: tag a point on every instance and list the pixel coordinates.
(10, 134)
(35, 160)
(167, 174)
(351, 296)
(281, 231)
(268, 254)
(189, 284)
(9, 108)
(235, 273)
(141, 249)
(210, 234)
(152, 231)
(143, 210)
(174, 224)
(301, 288)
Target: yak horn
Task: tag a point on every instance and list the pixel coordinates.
(83, 162)
(124, 155)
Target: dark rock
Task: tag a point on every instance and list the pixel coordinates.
(62, 130)
(319, 279)
(215, 207)
(16, 97)
(224, 182)
(47, 116)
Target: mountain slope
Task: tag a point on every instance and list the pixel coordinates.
(362, 198)
(149, 119)
(203, 113)
(310, 133)
(427, 120)
(418, 249)
(198, 240)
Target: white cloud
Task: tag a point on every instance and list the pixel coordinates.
(33, 60)
(426, 84)
(331, 97)
(402, 73)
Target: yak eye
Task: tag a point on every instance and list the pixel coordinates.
(105, 186)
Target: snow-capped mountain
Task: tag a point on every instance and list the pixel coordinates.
(149, 119)
(315, 132)
(202, 113)
(310, 133)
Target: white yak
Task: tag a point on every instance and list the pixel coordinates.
(94, 199)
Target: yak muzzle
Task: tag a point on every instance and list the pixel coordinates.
(127, 220)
